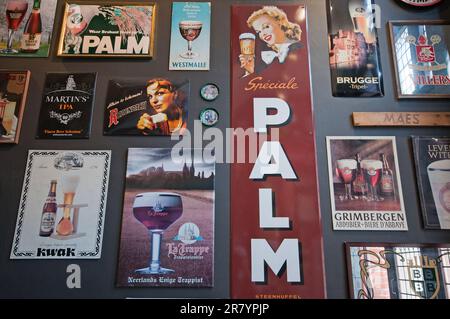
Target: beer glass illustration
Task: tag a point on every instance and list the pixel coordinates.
(372, 174)
(69, 185)
(15, 12)
(157, 211)
(439, 176)
(247, 57)
(346, 170)
(190, 30)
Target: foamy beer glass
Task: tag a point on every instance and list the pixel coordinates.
(247, 45)
(362, 20)
(346, 169)
(190, 30)
(69, 185)
(439, 176)
(372, 174)
(157, 211)
(162, 126)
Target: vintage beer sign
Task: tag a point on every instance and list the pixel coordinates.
(401, 118)
(107, 29)
(167, 237)
(67, 105)
(423, 72)
(275, 218)
(354, 50)
(190, 36)
(26, 27)
(63, 205)
(365, 187)
(432, 157)
(398, 271)
(153, 107)
(13, 96)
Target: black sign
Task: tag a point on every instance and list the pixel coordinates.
(67, 104)
(354, 51)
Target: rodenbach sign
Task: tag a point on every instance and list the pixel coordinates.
(401, 118)
(276, 235)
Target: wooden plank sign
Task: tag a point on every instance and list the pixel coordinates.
(401, 118)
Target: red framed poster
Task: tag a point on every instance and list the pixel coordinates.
(276, 234)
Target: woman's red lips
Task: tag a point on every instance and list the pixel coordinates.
(267, 38)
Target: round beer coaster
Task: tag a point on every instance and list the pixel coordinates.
(209, 92)
(209, 117)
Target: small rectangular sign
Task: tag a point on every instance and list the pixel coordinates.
(401, 118)
(190, 36)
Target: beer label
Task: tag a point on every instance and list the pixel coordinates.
(31, 41)
(48, 221)
(67, 102)
(444, 197)
(359, 185)
(386, 184)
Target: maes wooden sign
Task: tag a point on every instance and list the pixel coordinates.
(401, 118)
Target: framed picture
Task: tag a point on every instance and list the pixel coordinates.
(63, 205)
(167, 237)
(398, 271)
(107, 29)
(26, 27)
(420, 50)
(67, 103)
(432, 157)
(13, 96)
(151, 107)
(365, 187)
(190, 36)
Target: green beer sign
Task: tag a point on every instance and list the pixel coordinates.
(97, 28)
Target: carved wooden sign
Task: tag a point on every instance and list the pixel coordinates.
(401, 118)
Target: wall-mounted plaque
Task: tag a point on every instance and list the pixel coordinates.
(365, 188)
(398, 271)
(13, 96)
(190, 36)
(354, 50)
(107, 29)
(156, 107)
(432, 157)
(67, 105)
(421, 58)
(401, 118)
(276, 233)
(63, 205)
(26, 27)
(167, 237)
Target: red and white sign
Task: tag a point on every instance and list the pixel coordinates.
(421, 3)
(276, 233)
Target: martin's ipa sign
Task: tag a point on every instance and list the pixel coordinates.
(354, 51)
(276, 235)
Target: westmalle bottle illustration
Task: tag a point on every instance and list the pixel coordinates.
(67, 105)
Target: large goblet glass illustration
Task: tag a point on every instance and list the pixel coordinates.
(190, 30)
(157, 211)
(15, 12)
(346, 169)
(372, 174)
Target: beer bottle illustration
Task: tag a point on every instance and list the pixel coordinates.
(48, 217)
(31, 38)
(387, 179)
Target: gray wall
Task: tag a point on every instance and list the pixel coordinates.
(47, 278)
